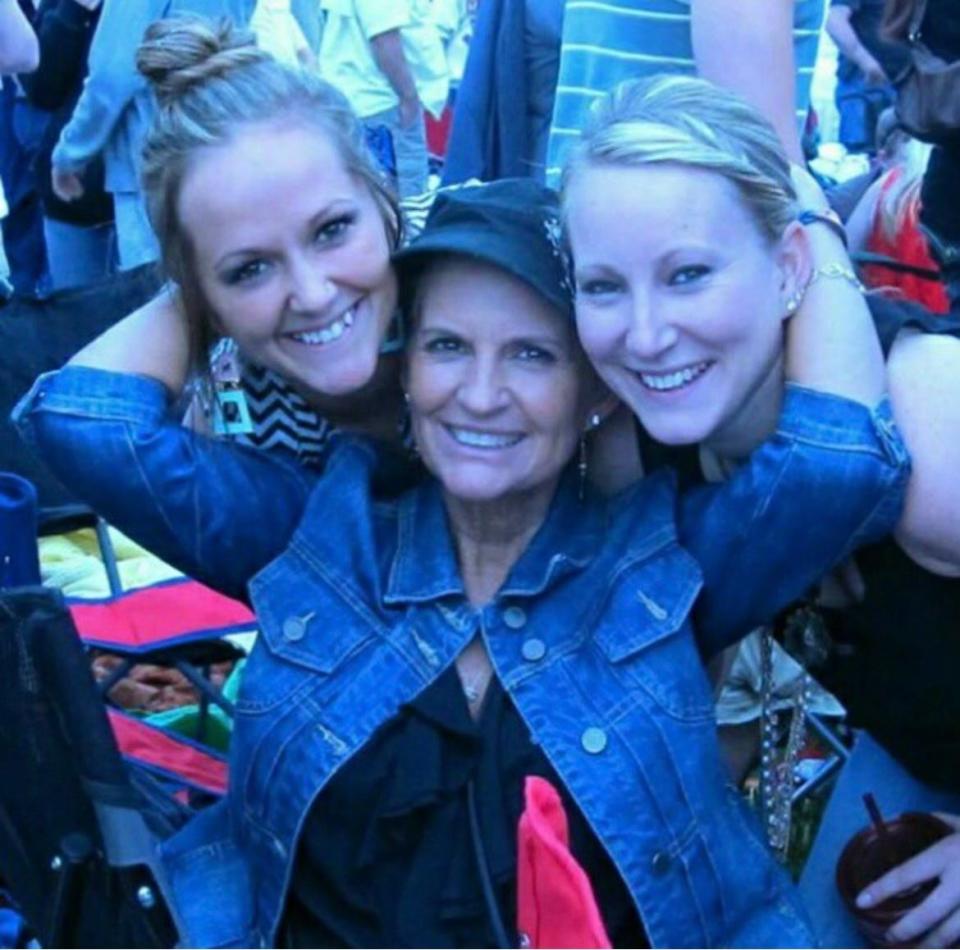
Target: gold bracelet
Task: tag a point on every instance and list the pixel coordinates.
(836, 270)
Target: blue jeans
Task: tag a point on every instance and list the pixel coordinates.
(136, 242)
(870, 769)
(410, 150)
(860, 106)
(78, 255)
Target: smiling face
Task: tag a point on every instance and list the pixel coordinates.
(499, 389)
(291, 253)
(680, 298)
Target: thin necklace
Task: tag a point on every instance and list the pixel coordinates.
(474, 686)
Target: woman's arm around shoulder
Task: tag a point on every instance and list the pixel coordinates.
(105, 426)
(153, 341)
(832, 345)
(831, 478)
(924, 379)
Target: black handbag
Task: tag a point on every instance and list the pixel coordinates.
(928, 89)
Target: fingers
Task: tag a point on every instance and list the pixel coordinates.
(938, 915)
(931, 913)
(66, 185)
(946, 935)
(924, 867)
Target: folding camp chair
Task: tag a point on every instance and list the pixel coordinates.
(178, 623)
(77, 830)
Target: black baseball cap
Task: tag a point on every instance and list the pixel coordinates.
(512, 223)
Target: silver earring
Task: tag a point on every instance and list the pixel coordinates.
(594, 422)
(793, 303)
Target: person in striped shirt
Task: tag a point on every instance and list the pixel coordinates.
(767, 57)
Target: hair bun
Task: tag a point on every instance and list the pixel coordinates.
(181, 52)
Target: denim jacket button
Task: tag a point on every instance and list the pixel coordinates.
(294, 628)
(660, 863)
(594, 740)
(515, 617)
(533, 650)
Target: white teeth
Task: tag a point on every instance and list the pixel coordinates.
(484, 440)
(673, 380)
(330, 333)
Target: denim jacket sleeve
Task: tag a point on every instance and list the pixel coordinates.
(216, 511)
(830, 479)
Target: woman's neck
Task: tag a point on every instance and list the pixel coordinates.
(491, 536)
(753, 423)
(376, 410)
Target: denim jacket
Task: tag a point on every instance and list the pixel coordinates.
(597, 634)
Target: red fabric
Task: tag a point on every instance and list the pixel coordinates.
(438, 132)
(160, 615)
(910, 247)
(140, 741)
(556, 906)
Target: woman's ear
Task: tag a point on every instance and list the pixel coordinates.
(794, 265)
(602, 405)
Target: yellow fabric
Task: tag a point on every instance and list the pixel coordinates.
(72, 563)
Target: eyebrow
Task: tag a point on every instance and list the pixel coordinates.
(558, 339)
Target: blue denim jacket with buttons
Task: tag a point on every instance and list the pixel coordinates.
(597, 634)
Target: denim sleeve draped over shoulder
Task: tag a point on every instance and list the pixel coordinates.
(216, 511)
(831, 478)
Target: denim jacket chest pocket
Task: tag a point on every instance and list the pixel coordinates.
(645, 632)
(310, 626)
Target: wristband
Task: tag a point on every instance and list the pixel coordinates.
(829, 217)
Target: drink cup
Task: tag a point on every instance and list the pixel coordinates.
(870, 853)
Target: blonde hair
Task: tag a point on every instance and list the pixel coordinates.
(687, 121)
(899, 203)
(210, 80)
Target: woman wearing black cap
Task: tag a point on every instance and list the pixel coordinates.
(426, 654)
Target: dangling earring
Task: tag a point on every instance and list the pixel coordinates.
(231, 413)
(592, 424)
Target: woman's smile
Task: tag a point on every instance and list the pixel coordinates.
(675, 380)
(483, 440)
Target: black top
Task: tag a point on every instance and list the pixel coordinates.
(386, 857)
(941, 28)
(894, 658)
(865, 18)
(65, 30)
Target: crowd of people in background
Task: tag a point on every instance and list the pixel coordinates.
(572, 433)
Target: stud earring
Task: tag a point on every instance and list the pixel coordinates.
(793, 303)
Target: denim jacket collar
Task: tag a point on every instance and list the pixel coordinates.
(425, 565)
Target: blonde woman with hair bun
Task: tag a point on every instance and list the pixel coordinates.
(275, 225)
